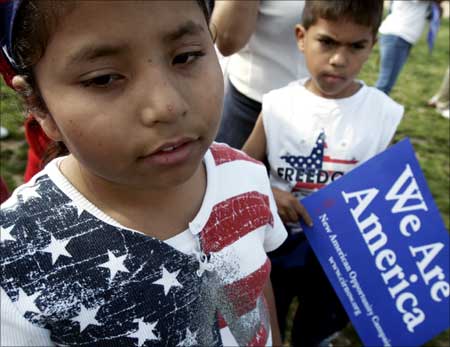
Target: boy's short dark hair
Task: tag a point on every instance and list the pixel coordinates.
(363, 12)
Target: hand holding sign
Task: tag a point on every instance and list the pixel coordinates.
(385, 249)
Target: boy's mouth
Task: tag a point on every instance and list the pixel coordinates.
(333, 78)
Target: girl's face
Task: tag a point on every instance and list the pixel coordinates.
(134, 89)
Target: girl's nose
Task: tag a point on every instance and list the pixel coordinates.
(164, 101)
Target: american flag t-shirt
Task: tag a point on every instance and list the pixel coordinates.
(93, 283)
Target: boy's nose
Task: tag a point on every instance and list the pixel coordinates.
(163, 101)
(339, 58)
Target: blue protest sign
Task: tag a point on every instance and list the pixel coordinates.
(383, 245)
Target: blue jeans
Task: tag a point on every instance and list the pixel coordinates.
(394, 53)
(238, 117)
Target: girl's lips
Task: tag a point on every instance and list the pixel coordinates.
(171, 155)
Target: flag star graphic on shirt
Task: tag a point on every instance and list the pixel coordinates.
(114, 264)
(168, 280)
(57, 248)
(144, 332)
(5, 234)
(86, 317)
(315, 158)
(27, 302)
(29, 192)
(79, 208)
(189, 340)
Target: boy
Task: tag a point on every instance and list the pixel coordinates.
(313, 131)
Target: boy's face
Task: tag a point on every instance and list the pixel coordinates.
(335, 52)
(134, 89)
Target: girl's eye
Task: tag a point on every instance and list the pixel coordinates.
(102, 81)
(188, 57)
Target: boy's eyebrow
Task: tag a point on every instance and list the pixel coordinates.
(89, 53)
(328, 37)
(188, 28)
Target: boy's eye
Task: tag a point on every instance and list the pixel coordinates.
(358, 46)
(102, 81)
(188, 57)
(327, 42)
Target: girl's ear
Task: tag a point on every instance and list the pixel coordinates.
(48, 124)
(300, 32)
(37, 107)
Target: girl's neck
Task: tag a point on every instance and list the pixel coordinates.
(150, 211)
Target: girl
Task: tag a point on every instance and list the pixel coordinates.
(144, 233)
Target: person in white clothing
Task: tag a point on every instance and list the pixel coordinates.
(140, 234)
(258, 39)
(312, 132)
(400, 30)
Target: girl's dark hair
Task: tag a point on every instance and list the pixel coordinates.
(363, 12)
(33, 25)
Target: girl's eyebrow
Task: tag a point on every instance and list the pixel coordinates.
(189, 28)
(92, 52)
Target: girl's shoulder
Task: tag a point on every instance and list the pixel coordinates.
(23, 214)
(223, 153)
(232, 171)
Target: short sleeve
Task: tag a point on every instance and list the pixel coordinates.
(393, 114)
(276, 234)
(16, 330)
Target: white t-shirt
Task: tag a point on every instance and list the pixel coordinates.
(407, 20)
(271, 58)
(312, 140)
(70, 270)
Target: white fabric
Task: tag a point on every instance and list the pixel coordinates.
(224, 181)
(271, 58)
(354, 129)
(407, 20)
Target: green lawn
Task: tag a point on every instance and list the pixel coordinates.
(428, 131)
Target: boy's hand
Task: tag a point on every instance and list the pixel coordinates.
(289, 208)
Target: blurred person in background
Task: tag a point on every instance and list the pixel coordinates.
(260, 40)
(400, 30)
(441, 99)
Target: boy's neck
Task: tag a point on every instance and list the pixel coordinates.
(350, 91)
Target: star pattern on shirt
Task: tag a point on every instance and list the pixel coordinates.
(28, 302)
(189, 340)
(168, 280)
(5, 233)
(29, 192)
(86, 317)
(114, 264)
(315, 158)
(57, 248)
(79, 208)
(144, 332)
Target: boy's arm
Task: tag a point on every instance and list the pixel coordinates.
(255, 146)
(270, 299)
(289, 208)
(234, 23)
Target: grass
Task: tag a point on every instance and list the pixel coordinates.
(428, 131)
